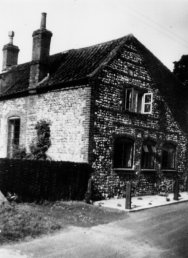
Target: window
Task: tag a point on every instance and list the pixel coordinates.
(148, 155)
(123, 153)
(147, 103)
(138, 102)
(168, 156)
(13, 135)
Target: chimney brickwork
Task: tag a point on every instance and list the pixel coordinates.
(10, 53)
(40, 54)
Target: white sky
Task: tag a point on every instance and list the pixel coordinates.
(161, 25)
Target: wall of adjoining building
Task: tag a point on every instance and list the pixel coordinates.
(109, 121)
(68, 114)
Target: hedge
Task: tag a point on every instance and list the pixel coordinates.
(35, 180)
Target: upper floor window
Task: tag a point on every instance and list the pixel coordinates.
(123, 153)
(168, 156)
(138, 102)
(13, 134)
(148, 155)
(147, 103)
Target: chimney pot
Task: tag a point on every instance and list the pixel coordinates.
(43, 21)
(11, 36)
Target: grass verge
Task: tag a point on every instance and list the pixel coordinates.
(20, 221)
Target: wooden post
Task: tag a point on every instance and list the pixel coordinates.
(186, 183)
(128, 196)
(176, 189)
(89, 191)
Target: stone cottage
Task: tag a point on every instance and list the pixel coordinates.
(113, 105)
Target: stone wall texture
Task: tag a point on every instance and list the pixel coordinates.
(109, 121)
(68, 114)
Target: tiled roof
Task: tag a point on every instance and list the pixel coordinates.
(78, 64)
(68, 66)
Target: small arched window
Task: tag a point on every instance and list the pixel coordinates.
(13, 135)
(168, 156)
(123, 152)
(148, 155)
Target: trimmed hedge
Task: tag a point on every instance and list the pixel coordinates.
(36, 180)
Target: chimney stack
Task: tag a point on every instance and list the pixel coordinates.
(40, 53)
(10, 53)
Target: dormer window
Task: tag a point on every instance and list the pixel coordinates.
(137, 101)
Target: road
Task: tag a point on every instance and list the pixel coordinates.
(154, 233)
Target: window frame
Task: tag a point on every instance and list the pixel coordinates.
(122, 140)
(150, 147)
(144, 103)
(135, 101)
(168, 146)
(13, 134)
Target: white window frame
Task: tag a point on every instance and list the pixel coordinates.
(144, 103)
(132, 104)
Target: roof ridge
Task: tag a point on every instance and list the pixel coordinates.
(106, 42)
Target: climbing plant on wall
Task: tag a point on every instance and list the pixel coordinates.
(42, 142)
(39, 145)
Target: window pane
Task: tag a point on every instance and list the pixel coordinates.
(128, 99)
(168, 156)
(123, 153)
(118, 155)
(139, 103)
(147, 103)
(148, 98)
(127, 155)
(147, 108)
(16, 131)
(13, 135)
(148, 156)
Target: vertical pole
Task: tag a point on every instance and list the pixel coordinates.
(128, 196)
(186, 183)
(176, 189)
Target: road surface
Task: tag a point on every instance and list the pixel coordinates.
(154, 233)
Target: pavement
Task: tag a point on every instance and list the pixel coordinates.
(143, 202)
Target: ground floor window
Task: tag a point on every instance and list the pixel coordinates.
(148, 155)
(13, 134)
(168, 156)
(123, 153)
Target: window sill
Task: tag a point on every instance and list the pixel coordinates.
(148, 170)
(126, 111)
(124, 169)
(168, 170)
